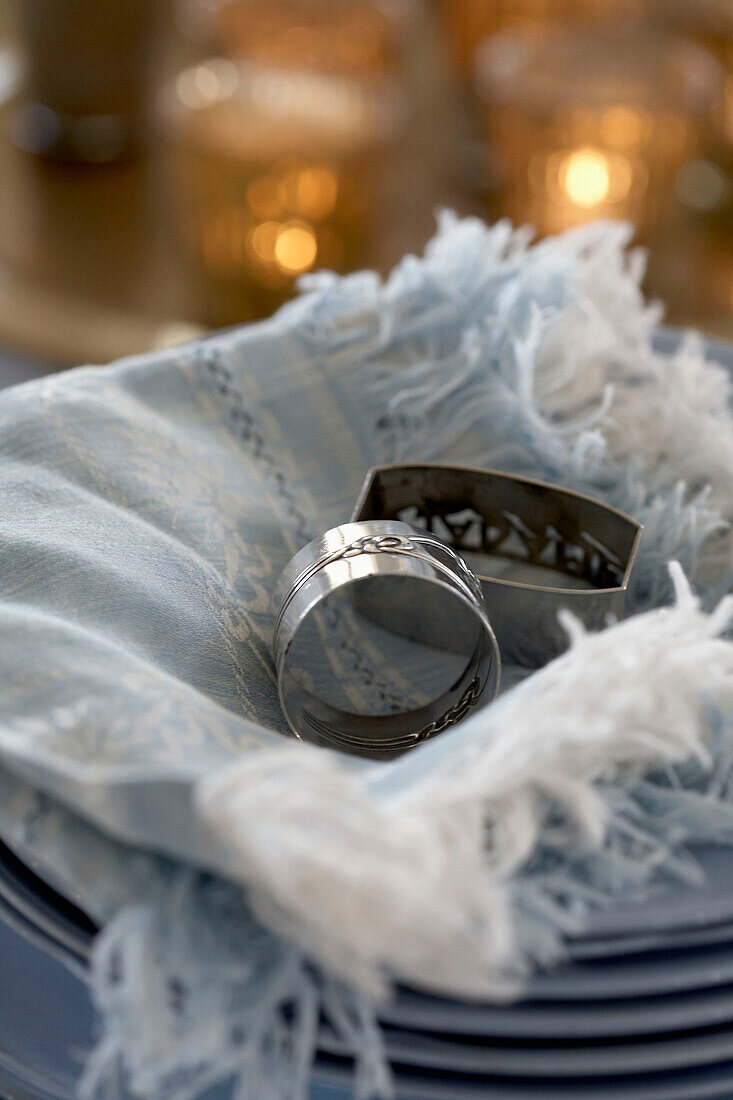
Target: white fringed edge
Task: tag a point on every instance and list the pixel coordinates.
(667, 413)
(414, 882)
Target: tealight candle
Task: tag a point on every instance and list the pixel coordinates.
(584, 125)
(276, 175)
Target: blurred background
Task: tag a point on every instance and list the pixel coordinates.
(172, 166)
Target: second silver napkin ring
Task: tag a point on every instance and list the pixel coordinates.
(584, 548)
(398, 611)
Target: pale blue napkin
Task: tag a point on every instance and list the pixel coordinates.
(148, 508)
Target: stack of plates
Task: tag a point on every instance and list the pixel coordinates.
(644, 1011)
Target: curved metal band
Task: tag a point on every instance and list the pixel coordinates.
(580, 549)
(345, 556)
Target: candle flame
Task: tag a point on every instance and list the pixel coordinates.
(295, 247)
(586, 177)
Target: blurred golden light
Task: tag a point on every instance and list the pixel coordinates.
(298, 154)
(623, 127)
(316, 191)
(586, 178)
(295, 247)
(264, 196)
(263, 240)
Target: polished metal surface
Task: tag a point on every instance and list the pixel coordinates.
(567, 550)
(400, 646)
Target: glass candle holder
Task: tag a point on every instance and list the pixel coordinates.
(276, 173)
(585, 125)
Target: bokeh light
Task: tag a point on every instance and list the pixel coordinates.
(295, 248)
(586, 178)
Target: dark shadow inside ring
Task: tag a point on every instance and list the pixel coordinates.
(383, 661)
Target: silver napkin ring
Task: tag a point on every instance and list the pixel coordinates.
(381, 639)
(582, 549)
